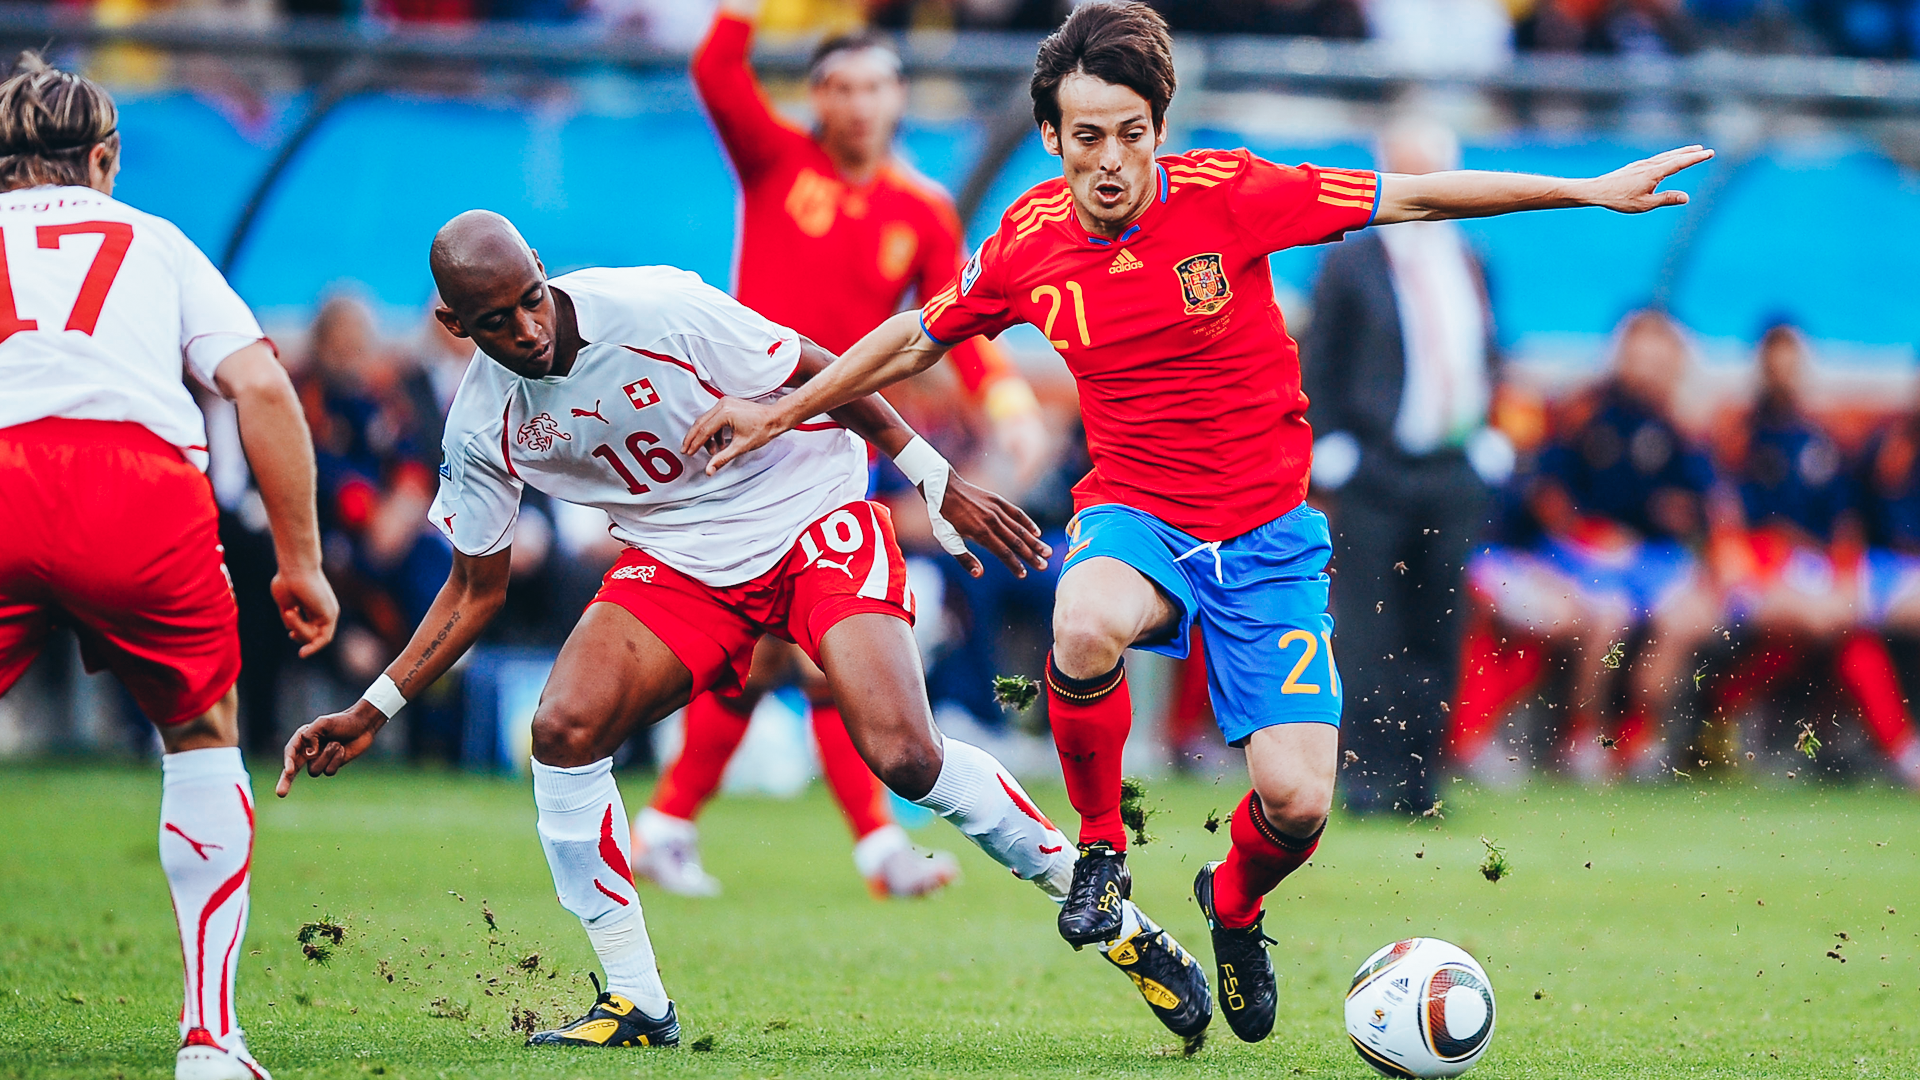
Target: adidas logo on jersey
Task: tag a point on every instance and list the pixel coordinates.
(1123, 262)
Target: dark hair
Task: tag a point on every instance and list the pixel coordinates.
(1124, 43)
(50, 121)
(855, 42)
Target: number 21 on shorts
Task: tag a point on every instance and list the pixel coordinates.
(1310, 645)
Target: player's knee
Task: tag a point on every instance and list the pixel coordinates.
(1087, 642)
(1297, 805)
(564, 737)
(909, 767)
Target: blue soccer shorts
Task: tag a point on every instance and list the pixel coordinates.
(1260, 599)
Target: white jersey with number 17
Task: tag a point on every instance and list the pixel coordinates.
(661, 347)
(101, 305)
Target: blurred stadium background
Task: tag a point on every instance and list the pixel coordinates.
(311, 148)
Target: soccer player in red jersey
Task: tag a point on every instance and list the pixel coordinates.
(834, 233)
(109, 521)
(1150, 277)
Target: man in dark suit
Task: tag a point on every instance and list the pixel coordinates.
(1399, 364)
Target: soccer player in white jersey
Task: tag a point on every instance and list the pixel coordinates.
(594, 380)
(110, 522)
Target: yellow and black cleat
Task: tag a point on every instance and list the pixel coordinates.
(1101, 884)
(1248, 993)
(1167, 976)
(614, 1021)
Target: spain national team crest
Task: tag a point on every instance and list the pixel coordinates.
(1203, 283)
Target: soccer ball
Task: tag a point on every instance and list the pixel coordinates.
(1420, 1007)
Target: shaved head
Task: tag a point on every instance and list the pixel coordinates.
(494, 290)
(473, 248)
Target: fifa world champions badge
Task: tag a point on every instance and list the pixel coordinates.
(1203, 283)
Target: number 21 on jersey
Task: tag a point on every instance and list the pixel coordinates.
(115, 238)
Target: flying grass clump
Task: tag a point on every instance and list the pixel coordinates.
(1494, 866)
(1212, 824)
(1015, 693)
(319, 939)
(1807, 742)
(1134, 811)
(1616, 653)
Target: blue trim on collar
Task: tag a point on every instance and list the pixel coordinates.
(1163, 180)
(1097, 240)
(1128, 235)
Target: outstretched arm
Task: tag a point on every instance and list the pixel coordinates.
(1630, 189)
(475, 589)
(894, 350)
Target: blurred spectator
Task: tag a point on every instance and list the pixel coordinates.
(1614, 514)
(376, 466)
(1399, 365)
(1788, 549)
(1627, 27)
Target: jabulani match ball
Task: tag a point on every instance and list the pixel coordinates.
(1420, 1007)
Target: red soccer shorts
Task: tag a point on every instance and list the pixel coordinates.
(844, 564)
(108, 525)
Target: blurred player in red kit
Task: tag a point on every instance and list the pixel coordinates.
(110, 521)
(1150, 276)
(835, 233)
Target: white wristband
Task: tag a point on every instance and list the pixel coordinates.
(385, 696)
(928, 471)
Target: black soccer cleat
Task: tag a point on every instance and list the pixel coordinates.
(613, 1021)
(1101, 884)
(1245, 972)
(1167, 976)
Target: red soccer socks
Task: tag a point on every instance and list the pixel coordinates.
(1261, 858)
(1090, 720)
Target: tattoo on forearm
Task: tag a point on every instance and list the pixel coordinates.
(426, 654)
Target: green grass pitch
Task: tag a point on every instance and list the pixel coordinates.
(1696, 943)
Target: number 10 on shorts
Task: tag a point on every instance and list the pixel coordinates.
(1304, 646)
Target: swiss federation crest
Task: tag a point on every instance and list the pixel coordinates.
(1203, 283)
(538, 433)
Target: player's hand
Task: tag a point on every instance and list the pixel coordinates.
(323, 746)
(731, 428)
(1634, 189)
(995, 524)
(307, 605)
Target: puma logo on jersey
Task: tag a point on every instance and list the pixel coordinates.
(593, 412)
(636, 572)
(641, 393)
(538, 433)
(1123, 262)
(845, 567)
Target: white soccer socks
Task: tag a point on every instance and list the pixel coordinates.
(583, 829)
(206, 849)
(986, 803)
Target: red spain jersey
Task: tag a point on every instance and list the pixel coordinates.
(830, 259)
(1189, 384)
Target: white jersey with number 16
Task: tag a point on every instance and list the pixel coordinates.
(101, 305)
(662, 347)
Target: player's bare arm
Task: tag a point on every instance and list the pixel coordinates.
(1630, 189)
(475, 589)
(975, 513)
(273, 431)
(896, 349)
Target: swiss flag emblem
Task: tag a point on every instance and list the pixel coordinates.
(642, 393)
